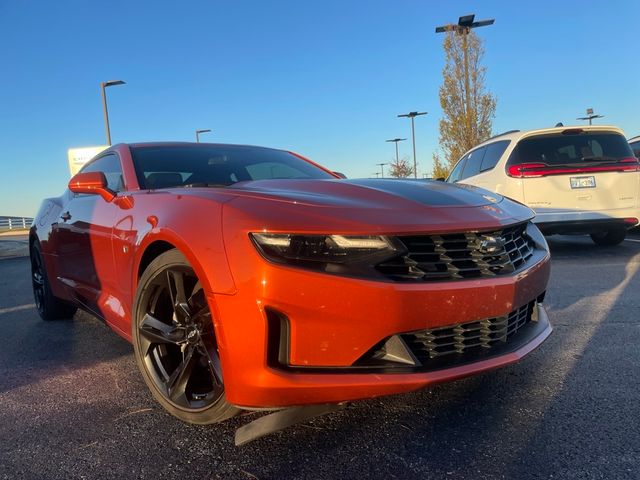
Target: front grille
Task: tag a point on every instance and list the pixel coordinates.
(462, 341)
(460, 255)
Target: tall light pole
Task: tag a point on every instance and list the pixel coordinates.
(396, 140)
(464, 26)
(198, 132)
(381, 165)
(412, 116)
(103, 86)
(377, 174)
(590, 116)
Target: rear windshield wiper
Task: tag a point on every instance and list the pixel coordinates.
(600, 159)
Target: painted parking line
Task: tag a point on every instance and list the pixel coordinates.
(17, 308)
(632, 240)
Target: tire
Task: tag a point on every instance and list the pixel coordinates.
(610, 237)
(175, 344)
(48, 305)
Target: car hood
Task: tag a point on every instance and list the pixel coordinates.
(381, 194)
(358, 206)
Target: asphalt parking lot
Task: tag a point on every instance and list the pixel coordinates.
(74, 406)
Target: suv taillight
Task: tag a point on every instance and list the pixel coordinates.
(531, 170)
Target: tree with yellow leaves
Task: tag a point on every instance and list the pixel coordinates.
(467, 107)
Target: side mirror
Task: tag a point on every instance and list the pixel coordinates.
(91, 183)
(340, 174)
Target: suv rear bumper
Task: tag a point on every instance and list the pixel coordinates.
(585, 222)
(584, 227)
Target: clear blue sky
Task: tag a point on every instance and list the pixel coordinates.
(325, 78)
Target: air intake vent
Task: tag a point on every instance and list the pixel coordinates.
(465, 338)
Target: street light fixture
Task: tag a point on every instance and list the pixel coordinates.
(464, 26)
(103, 86)
(396, 140)
(381, 165)
(590, 116)
(198, 132)
(412, 116)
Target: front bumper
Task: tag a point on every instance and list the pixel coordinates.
(333, 321)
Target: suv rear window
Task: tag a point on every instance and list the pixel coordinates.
(569, 149)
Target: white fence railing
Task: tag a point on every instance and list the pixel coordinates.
(15, 223)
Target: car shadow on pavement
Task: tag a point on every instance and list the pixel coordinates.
(34, 349)
(39, 349)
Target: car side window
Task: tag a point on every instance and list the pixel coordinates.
(635, 146)
(492, 154)
(472, 166)
(110, 166)
(454, 176)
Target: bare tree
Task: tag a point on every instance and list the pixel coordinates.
(400, 168)
(468, 108)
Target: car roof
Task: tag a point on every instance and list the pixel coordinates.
(193, 144)
(519, 134)
(634, 139)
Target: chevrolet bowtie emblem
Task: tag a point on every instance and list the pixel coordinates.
(491, 244)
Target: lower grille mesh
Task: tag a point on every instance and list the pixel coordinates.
(467, 338)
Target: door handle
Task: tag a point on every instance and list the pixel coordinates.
(65, 216)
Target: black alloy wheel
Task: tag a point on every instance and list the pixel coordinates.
(37, 280)
(175, 342)
(49, 306)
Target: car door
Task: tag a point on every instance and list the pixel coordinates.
(85, 236)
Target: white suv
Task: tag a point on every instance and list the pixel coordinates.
(635, 145)
(578, 180)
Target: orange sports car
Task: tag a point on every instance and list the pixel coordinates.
(250, 278)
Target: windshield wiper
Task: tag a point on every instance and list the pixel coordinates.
(204, 184)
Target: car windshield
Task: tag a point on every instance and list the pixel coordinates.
(216, 166)
(563, 149)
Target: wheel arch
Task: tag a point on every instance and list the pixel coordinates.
(156, 242)
(33, 238)
(153, 250)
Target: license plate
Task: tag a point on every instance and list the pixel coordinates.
(583, 182)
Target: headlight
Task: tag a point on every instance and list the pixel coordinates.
(333, 253)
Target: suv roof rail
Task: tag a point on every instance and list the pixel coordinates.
(501, 134)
